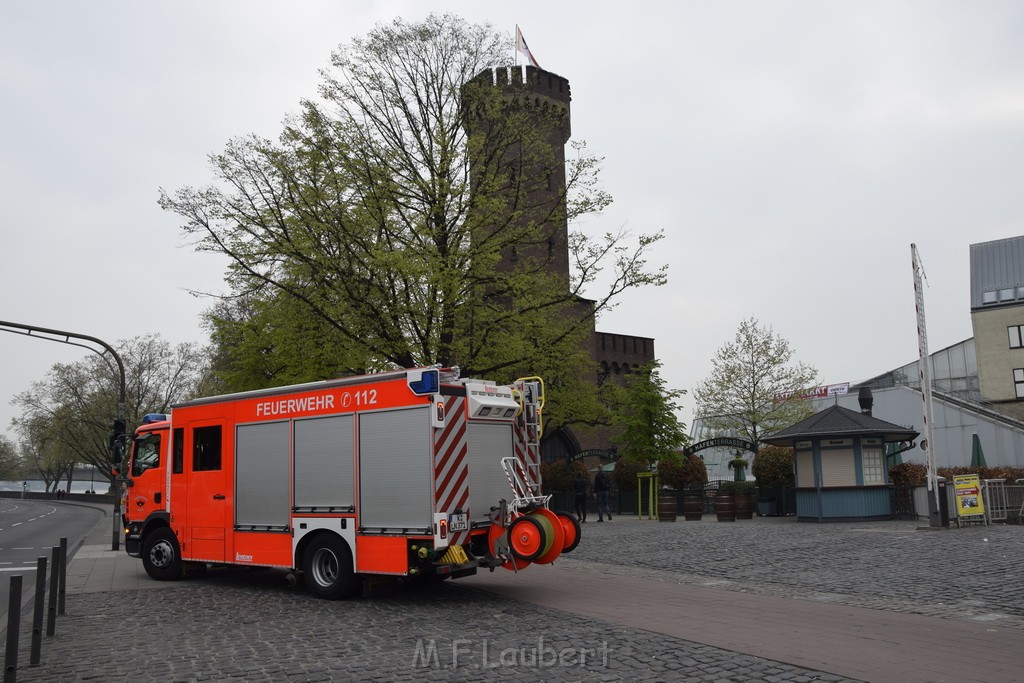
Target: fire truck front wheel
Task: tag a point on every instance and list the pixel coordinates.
(327, 565)
(161, 555)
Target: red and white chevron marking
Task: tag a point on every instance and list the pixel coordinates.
(527, 456)
(451, 471)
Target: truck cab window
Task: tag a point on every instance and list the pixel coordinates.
(147, 453)
(178, 447)
(206, 448)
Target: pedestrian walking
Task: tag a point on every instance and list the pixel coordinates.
(602, 489)
(579, 486)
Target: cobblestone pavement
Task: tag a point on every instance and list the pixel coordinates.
(971, 573)
(246, 625)
(253, 628)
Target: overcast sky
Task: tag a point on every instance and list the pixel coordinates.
(791, 152)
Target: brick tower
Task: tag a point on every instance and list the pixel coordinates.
(539, 167)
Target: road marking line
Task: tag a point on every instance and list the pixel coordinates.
(16, 524)
(22, 548)
(17, 569)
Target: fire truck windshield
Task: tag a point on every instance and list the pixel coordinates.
(146, 454)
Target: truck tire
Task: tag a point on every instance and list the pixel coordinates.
(327, 565)
(161, 555)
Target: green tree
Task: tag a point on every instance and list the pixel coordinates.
(650, 430)
(400, 220)
(10, 462)
(754, 388)
(66, 417)
(44, 455)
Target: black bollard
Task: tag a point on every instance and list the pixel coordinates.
(13, 630)
(51, 614)
(63, 574)
(37, 615)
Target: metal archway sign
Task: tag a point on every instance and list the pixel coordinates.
(721, 441)
(610, 455)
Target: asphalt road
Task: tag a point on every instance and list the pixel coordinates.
(28, 530)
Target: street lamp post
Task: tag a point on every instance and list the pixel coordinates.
(119, 429)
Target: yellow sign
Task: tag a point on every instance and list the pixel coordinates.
(968, 495)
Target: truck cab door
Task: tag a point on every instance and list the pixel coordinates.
(148, 475)
(207, 449)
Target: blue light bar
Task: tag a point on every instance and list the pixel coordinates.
(428, 383)
(150, 418)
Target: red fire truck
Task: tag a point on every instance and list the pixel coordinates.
(407, 473)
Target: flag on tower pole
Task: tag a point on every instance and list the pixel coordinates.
(522, 47)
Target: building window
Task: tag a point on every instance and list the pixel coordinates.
(1015, 335)
(1006, 294)
(1018, 381)
(988, 297)
(874, 471)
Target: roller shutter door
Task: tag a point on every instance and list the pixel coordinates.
(262, 461)
(396, 470)
(325, 463)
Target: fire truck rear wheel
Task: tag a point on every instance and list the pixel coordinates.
(161, 555)
(327, 565)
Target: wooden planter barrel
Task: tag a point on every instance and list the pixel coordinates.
(745, 505)
(693, 506)
(666, 507)
(725, 506)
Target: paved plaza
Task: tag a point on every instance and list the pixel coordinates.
(974, 573)
(767, 599)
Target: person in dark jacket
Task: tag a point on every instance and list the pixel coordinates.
(602, 488)
(579, 486)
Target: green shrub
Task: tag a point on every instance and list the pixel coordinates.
(737, 486)
(908, 474)
(1008, 474)
(557, 476)
(670, 472)
(694, 473)
(625, 473)
(773, 467)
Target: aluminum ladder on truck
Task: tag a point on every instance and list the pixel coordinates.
(525, 480)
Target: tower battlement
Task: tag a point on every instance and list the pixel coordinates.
(535, 86)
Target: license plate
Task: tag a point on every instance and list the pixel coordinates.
(458, 522)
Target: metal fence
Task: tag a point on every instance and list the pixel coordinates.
(903, 504)
(1003, 502)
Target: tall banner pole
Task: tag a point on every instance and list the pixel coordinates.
(925, 374)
